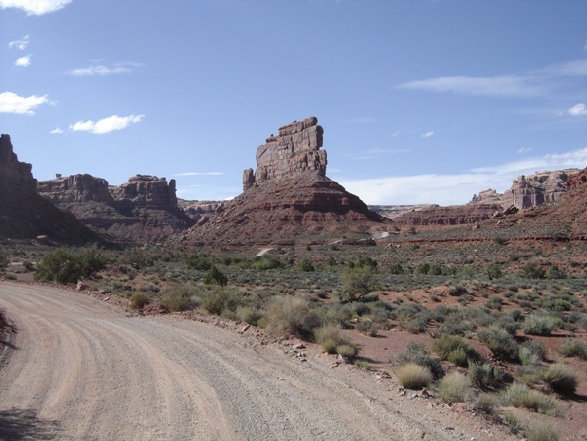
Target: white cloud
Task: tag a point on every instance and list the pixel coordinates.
(458, 188)
(498, 86)
(199, 174)
(35, 7)
(570, 68)
(524, 150)
(106, 125)
(13, 103)
(578, 110)
(21, 45)
(103, 70)
(23, 61)
(428, 134)
(56, 131)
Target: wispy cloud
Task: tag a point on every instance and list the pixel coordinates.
(524, 150)
(23, 61)
(428, 134)
(104, 70)
(106, 125)
(12, 103)
(21, 45)
(56, 131)
(572, 68)
(450, 189)
(199, 174)
(497, 86)
(35, 7)
(578, 110)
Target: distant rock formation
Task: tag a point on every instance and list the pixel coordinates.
(296, 149)
(451, 215)
(143, 209)
(196, 210)
(529, 191)
(395, 211)
(288, 198)
(25, 214)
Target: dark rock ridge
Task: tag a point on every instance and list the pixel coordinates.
(288, 198)
(143, 209)
(25, 214)
(529, 191)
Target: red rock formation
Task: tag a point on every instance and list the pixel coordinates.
(25, 214)
(289, 197)
(452, 215)
(76, 188)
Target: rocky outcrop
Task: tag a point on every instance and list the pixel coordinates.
(452, 215)
(288, 199)
(395, 211)
(197, 210)
(144, 209)
(25, 214)
(529, 191)
(295, 150)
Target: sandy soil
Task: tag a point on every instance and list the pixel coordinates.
(80, 368)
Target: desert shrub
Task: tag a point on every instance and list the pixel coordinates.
(368, 327)
(484, 375)
(179, 298)
(201, 263)
(268, 262)
(3, 261)
(249, 314)
(329, 337)
(573, 348)
(396, 268)
(416, 353)
(347, 350)
(494, 302)
(417, 323)
(486, 403)
(215, 277)
(510, 420)
(414, 376)
(338, 313)
(217, 299)
(454, 388)
(137, 258)
(533, 271)
(366, 262)
(540, 324)
(455, 347)
(531, 353)
(457, 290)
(508, 322)
(541, 431)
(138, 300)
(500, 342)
(291, 315)
(560, 379)
(356, 282)
(520, 395)
(305, 265)
(555, 273)
(435, 270)
(64, 267)
(455, 324)
(494, 272)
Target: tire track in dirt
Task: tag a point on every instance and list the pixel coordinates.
(87, 371)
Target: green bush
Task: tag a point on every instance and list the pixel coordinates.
(305, 265)
(541, 431)
(215, 277)
(201, 263)
(329, 337)
(137, 258)
(458, 357)
(64, 267)
(533, 271)
(484, 375)
(573, 348)
(457, 290)
(291, 315)
(249, 314)
(218, 299)
(356, 282)
(457, 347)
(560, 379)
(347, 350)
(520, 395)
(413, 376)
(486, 403)
(454, 388)
(540, 324)
(178, 298)
(500, 342)
(494, 272)
(367, 327)
(138, 300)
(416, 353)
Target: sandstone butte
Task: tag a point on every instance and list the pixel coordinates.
(144, 209)
(288, 198)
(25, 214)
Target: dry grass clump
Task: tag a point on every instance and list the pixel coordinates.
(332, 340)
(520, 395)
(541, 431)
(573, 348)
(291, 315)
(138, 300)
(414, 376)
(560, 379)
(454, 388)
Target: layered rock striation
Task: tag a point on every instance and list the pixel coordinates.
(25, 214)
(143, 209)
(288, 198)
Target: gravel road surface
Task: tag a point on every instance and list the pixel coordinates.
(81, 369)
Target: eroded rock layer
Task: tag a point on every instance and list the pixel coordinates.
(25, 214)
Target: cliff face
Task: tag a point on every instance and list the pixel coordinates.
(143, 209)
(288, 196)
(529, 191)
(25, 214)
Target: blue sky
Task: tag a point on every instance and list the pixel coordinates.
(421, 101)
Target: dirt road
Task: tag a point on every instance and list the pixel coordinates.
(83, 370)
